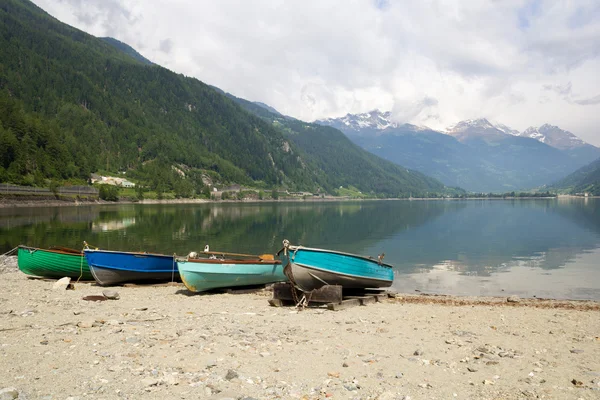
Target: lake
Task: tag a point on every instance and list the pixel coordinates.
(542, 248)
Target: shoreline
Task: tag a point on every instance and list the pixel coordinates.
(11, 203)
(164, 342)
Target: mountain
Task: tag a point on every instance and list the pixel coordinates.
(566, 141)
(553, 136)
(361, 124)
(343, 162)
(474, 128)
(584, 180)
(72, 104)
(476, 154)
(125, 48)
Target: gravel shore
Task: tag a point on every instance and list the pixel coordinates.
(163, 342)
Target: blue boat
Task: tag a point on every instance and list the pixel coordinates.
(224, 270)
(116, 267)
(310, 268)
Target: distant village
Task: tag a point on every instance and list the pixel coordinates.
(111, 180)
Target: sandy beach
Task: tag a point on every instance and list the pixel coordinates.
(163, 342)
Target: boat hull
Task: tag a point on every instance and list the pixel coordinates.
(310, 269)
(116, 267)
(53, 263)
(200, 275)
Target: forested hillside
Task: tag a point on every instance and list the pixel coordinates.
(346, 163)
(72, 104)
(125, 48)
(584, 180)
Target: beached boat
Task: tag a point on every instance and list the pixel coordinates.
(55, 262)
(224, 270)
(309, 268)
(116, 267)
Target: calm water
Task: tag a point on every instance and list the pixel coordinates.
(543, 248)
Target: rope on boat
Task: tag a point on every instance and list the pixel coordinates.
(302, 302)
(10, 252)
(80, 269)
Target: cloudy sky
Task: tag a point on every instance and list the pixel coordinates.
(430, 62)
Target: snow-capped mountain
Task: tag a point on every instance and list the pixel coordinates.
(506, 129)
(473, 128)
(372, 120)
(553, 136)
(367, 124)
(377, 122)
(475, 154)
(480, 123)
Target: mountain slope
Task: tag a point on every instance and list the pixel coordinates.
(473, 154)
(112, 112)
(584, 180)
(125, 48)
(344, 163)
(72, 104)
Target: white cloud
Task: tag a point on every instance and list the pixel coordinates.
(313, 59)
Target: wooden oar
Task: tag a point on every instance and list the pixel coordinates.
(266, 257)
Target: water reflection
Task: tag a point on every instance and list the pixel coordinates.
(439, 246)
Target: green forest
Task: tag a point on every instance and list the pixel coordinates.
(584, 180)
(72, 104)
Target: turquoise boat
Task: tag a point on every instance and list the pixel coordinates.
(200, 274)
(311, 268)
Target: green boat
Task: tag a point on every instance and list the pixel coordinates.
(55, 262)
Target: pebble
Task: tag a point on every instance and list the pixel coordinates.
(28, 312)
(111, 294)
(147, 382)
(576, 351)
(62, 284)
(86, 324)
(513, 299)
(9, 393)
(231, 374)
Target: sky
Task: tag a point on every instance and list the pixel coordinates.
(430, 62)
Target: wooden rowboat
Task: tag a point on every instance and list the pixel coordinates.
(116, 267)
(55, 262)
(225, 270)
(311, 268)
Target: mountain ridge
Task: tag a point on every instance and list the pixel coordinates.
(376, 120)
(475, 154)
